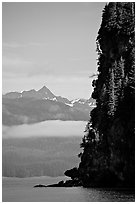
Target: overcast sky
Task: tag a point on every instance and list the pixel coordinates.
(51, 44)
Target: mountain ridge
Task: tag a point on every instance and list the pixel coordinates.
(45, 93)
(35, 106)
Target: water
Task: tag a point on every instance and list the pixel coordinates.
(40, 149)
(21, 190)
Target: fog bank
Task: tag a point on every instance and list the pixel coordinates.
(45, 129)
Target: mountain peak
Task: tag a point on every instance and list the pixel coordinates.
(45, 92)
(43, 88)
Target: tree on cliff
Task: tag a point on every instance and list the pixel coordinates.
(108, 145)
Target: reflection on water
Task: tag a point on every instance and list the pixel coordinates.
(21, 190)
(107, 195)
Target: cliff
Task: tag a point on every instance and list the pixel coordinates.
(108, 157)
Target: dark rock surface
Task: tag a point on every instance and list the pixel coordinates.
(68, 183)
(39, 186)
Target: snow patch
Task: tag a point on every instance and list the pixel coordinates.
(76, 100)
(54, 99)
(69, 104)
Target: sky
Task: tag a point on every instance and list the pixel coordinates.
(50, 44)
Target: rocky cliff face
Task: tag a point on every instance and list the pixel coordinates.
(108, 156)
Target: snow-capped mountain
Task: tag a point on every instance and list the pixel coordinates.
(90, 102)
(34, 106)
(43, 93)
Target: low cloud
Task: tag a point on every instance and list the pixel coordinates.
(46, 129)
(14, 45)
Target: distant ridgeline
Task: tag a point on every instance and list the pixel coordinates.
(33, 106)
(108, 157)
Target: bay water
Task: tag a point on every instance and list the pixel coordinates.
(21, 190)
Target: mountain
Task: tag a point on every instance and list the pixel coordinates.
(35, 106)
(12, 95)
(43, 93)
